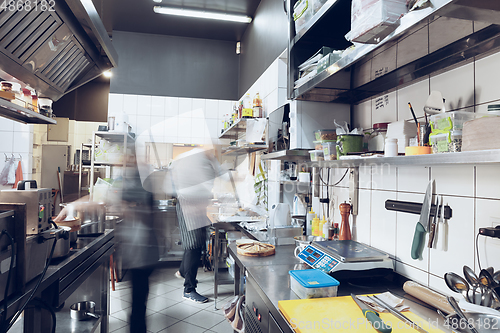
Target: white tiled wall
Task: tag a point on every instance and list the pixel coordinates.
(16, 139)
(472, 191)
(173, 119)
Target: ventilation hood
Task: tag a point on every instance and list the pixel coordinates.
(54, 47)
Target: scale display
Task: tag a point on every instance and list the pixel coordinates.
(318, 259)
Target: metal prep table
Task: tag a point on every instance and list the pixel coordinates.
(268, 282)
(82, 275)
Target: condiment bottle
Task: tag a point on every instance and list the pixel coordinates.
(247, 111)
(27, 99)
(257, 106)
(34, 102)
(345, 230)
(315, 225)
(309, 219)
(335, 231)
(320, 229)
(326, 226)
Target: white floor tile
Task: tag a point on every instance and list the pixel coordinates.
(205, 319)
(180, 311)
(115, 323)
(158, 322)
(223, 327)
(183, 327)
(160, 303)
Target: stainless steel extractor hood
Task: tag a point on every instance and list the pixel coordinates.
(54, 47)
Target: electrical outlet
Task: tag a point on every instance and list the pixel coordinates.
(494, 221)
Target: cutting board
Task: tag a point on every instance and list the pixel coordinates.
(340, 314)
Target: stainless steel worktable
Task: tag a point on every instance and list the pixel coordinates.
(269, 278)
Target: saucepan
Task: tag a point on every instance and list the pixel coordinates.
(83, 310)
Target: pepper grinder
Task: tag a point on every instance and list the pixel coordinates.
(345, 229)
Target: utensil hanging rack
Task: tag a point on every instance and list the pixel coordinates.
(12, 156)
(415, 208)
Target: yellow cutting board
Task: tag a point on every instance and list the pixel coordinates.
(341, 314)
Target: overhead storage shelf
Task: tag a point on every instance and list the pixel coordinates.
(466, 157)
(335, 84)
(18, 113)
(235, 129)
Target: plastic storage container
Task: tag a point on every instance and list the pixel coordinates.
(313, 283)
(316, 155)
(325, 135)
(450, 121)
(450, 142)
(302, 13)
(330, 150)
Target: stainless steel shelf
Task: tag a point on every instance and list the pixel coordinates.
(18, 113)
(287, 155)
(294, 182)
(467, 157)
(232, 132)
(115, 136)
(329, 85)
(231, 150)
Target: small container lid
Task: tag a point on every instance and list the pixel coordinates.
(388, 140)
(318, 151)
(313, 278)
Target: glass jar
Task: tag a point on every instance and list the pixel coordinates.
(376, 142)
(27, 99)
(6, 86)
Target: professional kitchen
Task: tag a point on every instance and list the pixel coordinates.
(249, 166)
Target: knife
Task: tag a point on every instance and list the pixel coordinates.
(433, 225)
(372, 316)
(417, 245)
(398, 314)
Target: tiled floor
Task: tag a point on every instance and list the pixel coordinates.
(167, 310)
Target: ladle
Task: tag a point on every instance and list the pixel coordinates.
(460, 314)
(473, 280)
(457, 284)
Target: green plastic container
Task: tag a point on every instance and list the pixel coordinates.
(349, 143)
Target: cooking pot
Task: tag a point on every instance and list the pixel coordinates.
(83, 310)
(111, 221)
(94, 213)
(62, 248)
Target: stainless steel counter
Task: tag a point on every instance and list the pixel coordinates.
(82, 275)
(269, 278)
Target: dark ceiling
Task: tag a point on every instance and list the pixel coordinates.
(138, 16)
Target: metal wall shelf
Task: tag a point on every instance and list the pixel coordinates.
(332, 85)
(466, 157)
(287, 155)
(232, 132)
(233, 151)
(18, 113)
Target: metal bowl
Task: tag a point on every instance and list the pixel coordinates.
(483, 322)
(303, 241)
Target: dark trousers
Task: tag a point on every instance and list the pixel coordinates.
(189, 268)
(140, 290)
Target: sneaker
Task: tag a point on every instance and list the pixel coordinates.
(195, 297)
(179, 276)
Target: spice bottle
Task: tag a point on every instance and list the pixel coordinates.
(27, 99)
(257, 106)
(34, 101)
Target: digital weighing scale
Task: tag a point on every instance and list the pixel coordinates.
(337, 255)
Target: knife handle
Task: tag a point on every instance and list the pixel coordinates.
(417, 245)
(431, 235)
(376, 321)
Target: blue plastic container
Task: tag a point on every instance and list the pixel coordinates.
(313, 283)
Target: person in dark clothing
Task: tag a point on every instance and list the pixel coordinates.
(193, 175)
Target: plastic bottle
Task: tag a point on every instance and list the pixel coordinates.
(315, 225)
(27, 99)
(309, 219)
(391, 147)
(247, 111)
(321, 225)
(326, 226)
(257, 106)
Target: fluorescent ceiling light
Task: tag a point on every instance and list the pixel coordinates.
(157, 1)
(202, 14)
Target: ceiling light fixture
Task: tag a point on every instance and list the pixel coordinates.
(107, 74)
(157, 1)
(202, 14)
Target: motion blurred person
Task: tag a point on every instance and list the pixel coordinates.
(193, 175)
(137, 239)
